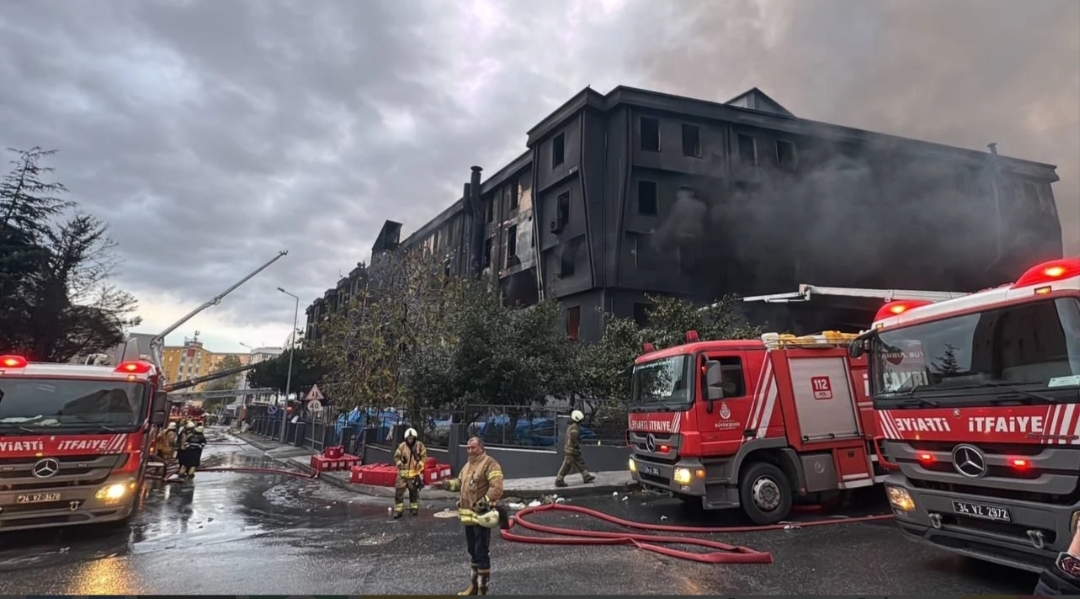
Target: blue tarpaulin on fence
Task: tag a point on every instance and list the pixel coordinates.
(538, 432)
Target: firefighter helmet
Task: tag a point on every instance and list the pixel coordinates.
(172, 425)
(411, 433)
(189, 424)
(199, 429)
(577, 416)
(489, 519)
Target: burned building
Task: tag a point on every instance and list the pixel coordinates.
(634, 193)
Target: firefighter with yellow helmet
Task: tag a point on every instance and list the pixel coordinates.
(572, 459)
(409, 457)
(480, 487)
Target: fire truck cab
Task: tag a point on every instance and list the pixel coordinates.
(75, 441)
(977, 403)
(752, 424)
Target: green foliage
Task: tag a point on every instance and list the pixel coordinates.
(604, 368)
(55, 300)
(232, 381)
(307, 370)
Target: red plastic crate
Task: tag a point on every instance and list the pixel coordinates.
(437, 473)
(322, 463)
(334, 452)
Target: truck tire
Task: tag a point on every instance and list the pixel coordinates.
(764, 493)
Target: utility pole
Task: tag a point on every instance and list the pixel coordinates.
(288, 377)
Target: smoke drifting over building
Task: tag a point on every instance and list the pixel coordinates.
(635, 192)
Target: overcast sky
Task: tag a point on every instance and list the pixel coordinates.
(211, 134)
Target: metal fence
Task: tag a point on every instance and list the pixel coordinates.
(536, 427)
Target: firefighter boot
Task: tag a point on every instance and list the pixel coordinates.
(474, 584)
(414, 509)
(588, 478)
(399, 510)
(560, 482)
(485, 576)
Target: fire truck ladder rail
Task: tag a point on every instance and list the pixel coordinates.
(722, 552)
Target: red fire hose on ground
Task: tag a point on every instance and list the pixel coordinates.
(722, 552)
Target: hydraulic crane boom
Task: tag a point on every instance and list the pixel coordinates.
(210, 377)
(157, 344)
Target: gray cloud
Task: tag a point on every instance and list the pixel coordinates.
(212, 134)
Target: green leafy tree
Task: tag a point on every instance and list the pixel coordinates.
(232, 381)
(307, 370)
(605, 367)
(55, 300)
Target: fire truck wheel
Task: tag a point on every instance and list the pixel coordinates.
(765, 493)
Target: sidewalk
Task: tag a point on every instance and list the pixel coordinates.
(606, 483)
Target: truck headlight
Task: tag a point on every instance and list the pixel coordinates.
(633, 465)
(681, 476)
(112, 492)
(900, 499)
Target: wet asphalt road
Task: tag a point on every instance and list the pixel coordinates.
(271, 534)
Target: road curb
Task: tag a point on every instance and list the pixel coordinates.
(570, 492)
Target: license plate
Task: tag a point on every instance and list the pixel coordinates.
(983, 512)
(653, 470)
(37, 498)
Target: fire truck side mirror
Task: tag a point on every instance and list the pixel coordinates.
(159, 409)
(711, 380)
(856, 349)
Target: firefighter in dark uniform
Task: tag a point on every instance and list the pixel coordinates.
(409, 457)
(572, 459)
(191, 447)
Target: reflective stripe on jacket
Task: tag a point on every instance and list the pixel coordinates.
(480, 478)
(410, 460)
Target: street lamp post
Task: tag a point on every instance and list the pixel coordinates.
(288, 377)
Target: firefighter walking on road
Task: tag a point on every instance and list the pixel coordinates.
(572, 459)
(409, 457)
(480, 486)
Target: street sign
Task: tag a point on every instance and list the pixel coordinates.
(314, 405)
(271, 410)
(314, 394)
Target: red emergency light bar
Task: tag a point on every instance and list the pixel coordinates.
(692, 336)
(899, 307)
(1048, 272)
(12, 361)
(136, 367)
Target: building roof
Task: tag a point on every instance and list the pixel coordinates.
(771, 117)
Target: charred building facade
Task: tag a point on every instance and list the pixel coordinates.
(637, 193)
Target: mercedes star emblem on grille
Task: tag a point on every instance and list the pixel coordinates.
(650, 442)
(969, 461)
(46, 468)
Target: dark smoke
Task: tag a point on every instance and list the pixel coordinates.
(959, 72)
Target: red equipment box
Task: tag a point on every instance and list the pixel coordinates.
(380, 475)
(321, 463)
(335, 452)
(436, 472)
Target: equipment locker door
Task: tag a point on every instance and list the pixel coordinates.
(823, 398)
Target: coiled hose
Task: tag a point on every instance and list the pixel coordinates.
(722, 552)
(246, 470)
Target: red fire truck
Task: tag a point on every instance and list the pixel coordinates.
(753, 424)
(74, 441)
(977, 402)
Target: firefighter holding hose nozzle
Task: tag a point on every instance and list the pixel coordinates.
(480, 486)
(409, 457)
(572, 459)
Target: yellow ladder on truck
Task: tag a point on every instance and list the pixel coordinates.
(822, 340)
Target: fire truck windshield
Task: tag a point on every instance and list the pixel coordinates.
(1031, 350)
(663, 383)
(32, 404)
